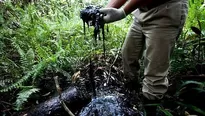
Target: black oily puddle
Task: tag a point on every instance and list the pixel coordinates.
(108, 106)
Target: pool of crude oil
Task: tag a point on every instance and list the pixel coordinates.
(111, 99)
(110, 105)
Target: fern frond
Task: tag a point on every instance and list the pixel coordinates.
(34, 72)
(41, 52)
(17, 84)
(27, 60)
(30, 74)
(23, 97)
(3, 82)
(26, 57)
(18, 48)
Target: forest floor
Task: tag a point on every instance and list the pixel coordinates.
(186, 94)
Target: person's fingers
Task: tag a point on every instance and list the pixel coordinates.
(106, 19)
(107, 14)
(104, 10)
(112, 14)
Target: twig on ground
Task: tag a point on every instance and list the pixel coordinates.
(7, 103)
(61, 100)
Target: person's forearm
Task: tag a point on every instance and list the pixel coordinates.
(116, 3)
(132, 5)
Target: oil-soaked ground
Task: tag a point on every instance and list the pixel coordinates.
(108, 96)
(111, 96)
(103, 94)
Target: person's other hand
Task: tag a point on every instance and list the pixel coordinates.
(112, 14)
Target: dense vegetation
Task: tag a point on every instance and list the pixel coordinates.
(44, 38)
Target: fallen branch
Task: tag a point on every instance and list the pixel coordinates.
(74, 97)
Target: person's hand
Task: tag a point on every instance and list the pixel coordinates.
(112, 14)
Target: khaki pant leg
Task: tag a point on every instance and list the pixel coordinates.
(161, 27)
(131, 51)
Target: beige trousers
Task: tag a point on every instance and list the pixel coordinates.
(153, 35)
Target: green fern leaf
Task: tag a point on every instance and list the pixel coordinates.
(23, 97)
(30, 74)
